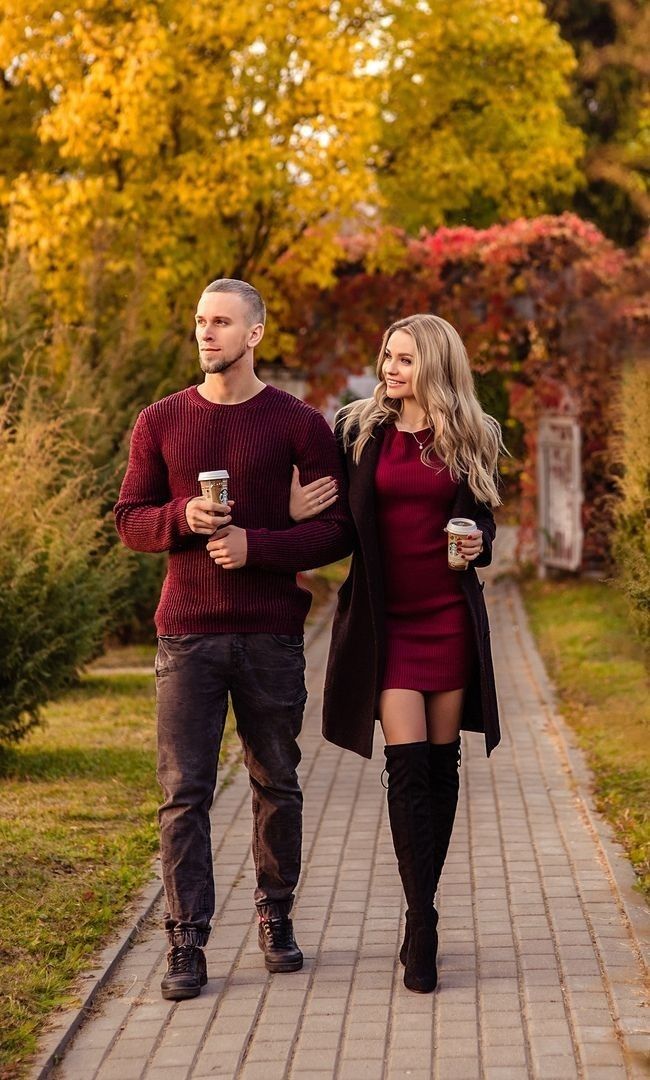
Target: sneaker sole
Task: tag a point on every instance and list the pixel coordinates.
(278, 966)
(182, 993)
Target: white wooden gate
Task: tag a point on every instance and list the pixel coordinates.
(560, 493)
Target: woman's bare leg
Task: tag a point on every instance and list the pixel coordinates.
(403, 717)
(443, 711)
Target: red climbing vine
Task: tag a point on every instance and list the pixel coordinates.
(549, 303)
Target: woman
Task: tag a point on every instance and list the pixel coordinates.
(410, 641)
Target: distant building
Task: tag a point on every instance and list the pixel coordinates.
(357, 386)
(296, 381)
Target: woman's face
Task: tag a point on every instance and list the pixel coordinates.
(397, 367)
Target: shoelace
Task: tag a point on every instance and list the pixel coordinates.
(181, 959)
(277, 933)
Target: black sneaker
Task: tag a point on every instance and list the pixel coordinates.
(276, 940)
(186, 973)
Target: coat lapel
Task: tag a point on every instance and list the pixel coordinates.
(361, 479)
(361, 495)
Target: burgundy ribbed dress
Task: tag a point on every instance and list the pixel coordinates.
(429, 638)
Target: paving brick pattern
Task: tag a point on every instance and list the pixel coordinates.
(540, 968)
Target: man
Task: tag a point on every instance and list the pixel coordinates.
(231, 616)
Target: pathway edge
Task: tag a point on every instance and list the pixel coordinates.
(622, 873)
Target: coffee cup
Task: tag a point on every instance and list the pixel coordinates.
(214, 486)
(457, 529)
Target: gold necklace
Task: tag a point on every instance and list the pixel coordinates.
(421, 445)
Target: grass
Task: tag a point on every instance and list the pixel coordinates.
(334, 574)
(78, 831)
(322, 584)
(583, 630)
(122, 656)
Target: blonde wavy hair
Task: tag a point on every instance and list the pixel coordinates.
(464, 437)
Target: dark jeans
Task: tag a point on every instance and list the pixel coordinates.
(264, 674)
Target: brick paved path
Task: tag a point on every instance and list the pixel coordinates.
(540, 971)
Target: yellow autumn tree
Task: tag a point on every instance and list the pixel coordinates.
(473, 123)
(173, 142)
(194, 140)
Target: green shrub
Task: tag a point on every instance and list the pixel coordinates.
(61, 573)
(147, 575)
(631, 545)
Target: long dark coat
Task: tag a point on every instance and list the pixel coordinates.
(356, 659)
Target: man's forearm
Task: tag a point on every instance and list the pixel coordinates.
(303, 547)
(152, 528)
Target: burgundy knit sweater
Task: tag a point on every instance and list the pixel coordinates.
(257, 441)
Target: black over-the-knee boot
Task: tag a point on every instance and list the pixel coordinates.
(444, 765)
(444, 779)
(411, 822)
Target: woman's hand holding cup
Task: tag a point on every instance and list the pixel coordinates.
(470, 547)
(464, 542)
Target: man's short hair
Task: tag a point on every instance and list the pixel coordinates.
(248, 293)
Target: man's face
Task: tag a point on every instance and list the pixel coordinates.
(223, 331)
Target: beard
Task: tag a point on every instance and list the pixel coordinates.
(218, 364)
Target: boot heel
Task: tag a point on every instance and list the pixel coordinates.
(404, 951)
(421, 973)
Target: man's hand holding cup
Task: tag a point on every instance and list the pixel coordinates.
(204, 516)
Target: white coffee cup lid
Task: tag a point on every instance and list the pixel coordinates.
(461, 526)
(216, 474)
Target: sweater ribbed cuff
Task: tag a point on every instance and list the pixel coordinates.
(259, 548)
(179, 518)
